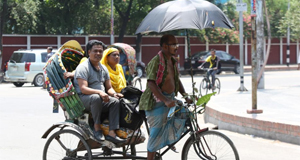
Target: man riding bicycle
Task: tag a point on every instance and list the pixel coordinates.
(214, 66)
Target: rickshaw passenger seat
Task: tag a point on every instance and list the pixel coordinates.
(62, 90)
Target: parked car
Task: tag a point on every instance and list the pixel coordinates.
(140, 68)
(26, 66)
(227, 61)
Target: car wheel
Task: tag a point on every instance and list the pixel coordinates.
(38, 80)
(139, 71)
(18, 84)
(237, 69)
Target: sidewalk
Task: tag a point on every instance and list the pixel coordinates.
(248, 68)
(280, 119)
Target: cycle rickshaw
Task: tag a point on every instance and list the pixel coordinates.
(74, 139)
(131, 75)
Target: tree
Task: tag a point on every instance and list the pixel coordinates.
(65, 17)
(131, 13)
(276, 10)
(124, 16)
(291, 18)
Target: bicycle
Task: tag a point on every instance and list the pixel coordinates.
(206, 84)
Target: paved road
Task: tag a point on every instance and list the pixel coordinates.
(26, 113)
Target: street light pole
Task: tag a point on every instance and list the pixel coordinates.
(241, 29)
(288, 42)
(112, 39)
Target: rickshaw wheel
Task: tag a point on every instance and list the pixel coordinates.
(66, 144)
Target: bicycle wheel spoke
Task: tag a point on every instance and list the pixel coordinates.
(66, 144)
(210, 145)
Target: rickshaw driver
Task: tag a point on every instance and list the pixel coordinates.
(163, 84)
(93, 86)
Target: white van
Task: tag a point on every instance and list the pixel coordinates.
(26, 66)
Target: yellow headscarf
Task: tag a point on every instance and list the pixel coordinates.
(117, 77)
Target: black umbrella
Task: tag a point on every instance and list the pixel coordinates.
(184, 14)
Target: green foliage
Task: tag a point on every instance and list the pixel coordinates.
(66, 17)
(204, 99)
(277, 10)
(292, 20)
(222, 35)
(20, 16)
(93, 17)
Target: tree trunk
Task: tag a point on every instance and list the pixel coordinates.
(125, 19)
(123, 29)
(2, 20)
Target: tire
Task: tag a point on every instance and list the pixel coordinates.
(18, 84)
(203, 87)
(38, 80)
(137, 83)
(75, 146)
(237, 69)
(217, 85)
(217, 146)
(139, 71)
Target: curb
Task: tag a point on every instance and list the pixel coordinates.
(277, 68)
(266, 129)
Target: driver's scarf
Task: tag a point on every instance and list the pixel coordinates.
(160, 73)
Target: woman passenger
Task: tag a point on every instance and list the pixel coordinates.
(110, 59)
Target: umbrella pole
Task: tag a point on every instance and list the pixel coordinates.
(191, 69)
(190, 55)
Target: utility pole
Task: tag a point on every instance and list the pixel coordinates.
(112, 39)
(288, 42)
(241, 7)
(253, 59)
(260, 42)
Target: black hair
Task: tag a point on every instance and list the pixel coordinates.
(165, 39)
(50, 48)
(90, 45)
(211, 50)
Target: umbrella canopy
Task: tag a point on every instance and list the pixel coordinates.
(184, 14)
